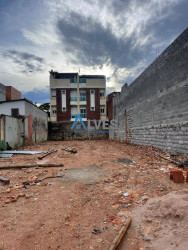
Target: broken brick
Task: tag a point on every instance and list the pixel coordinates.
(187, 176)
(177, 176)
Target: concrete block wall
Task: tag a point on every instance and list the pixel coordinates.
(61, 131)
(153, 110)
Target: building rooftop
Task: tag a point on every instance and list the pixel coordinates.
(58, 75)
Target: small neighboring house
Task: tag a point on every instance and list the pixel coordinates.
(16, 112)
(71, 94)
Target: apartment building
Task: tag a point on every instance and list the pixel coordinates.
(72, 94)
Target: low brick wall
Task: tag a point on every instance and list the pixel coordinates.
(61, 131)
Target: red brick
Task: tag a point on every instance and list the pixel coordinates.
(172, 173)
(187, 176)
(177, 176)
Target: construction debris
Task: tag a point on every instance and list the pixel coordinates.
(4, 180)
(176, 176)
(32, 166)
(175, 161)
(5, 155)
(22, 152)
(37, 181)
(46, 154)
(122, 232)
(96, 231)
(73, 151)
(91, 194)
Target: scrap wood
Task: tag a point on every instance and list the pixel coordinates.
(122, 232)
(4, 180)
(70, 150)
(37, 181)
(48, 153)
(176, 162)
(31, 166)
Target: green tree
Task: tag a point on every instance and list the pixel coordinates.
(45, 106)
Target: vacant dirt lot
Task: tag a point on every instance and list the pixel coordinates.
(94, 190)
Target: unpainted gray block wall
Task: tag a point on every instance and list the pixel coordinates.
(156, 103)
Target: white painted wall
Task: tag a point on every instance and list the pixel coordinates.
(5, 107)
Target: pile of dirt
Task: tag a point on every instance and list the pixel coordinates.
(163, 221)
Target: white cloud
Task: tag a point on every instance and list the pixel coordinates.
(41, 38)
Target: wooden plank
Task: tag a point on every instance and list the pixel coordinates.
(48, 153)
(122, 232)
(31, 166)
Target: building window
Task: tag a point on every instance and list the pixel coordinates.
(73, 80)
(54, 111)
(53, 93)
(82, 80)
(83, 96)
(64, 100)
(92, 100)
(102, 110)
(83, 112)
(74, 112)
(102, 94)
(14, 112)
(73, 98)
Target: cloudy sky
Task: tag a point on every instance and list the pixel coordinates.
(118, 38)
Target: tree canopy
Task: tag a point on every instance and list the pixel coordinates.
(45, 106)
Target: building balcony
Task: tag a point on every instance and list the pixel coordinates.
(81, 85)
(73, 101)
(73, 85)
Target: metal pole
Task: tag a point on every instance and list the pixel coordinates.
(78, 95)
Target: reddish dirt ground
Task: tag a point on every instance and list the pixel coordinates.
(61, 213)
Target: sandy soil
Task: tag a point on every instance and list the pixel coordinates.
(88, 194)
(163, 221)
